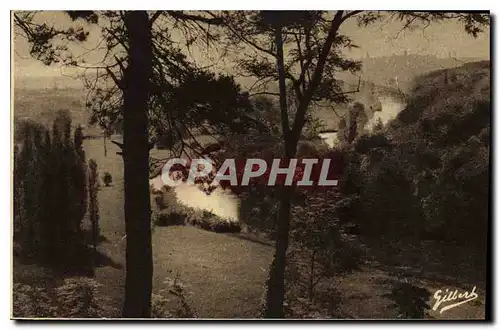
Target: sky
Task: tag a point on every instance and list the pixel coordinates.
(381, 39)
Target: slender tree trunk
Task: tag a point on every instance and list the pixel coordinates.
(105, 146)
(276, 282)
(135, 154)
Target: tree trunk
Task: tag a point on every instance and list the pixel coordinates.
(276, 285)
(139, 269)
(105, 146)
(276, 282)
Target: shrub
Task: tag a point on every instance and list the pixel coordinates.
(319, 247)
(75, 298)
(178, 290)
(179, 214)
(411, 301)
(212, 222)
(107, 179)
(159, 201)
(29, 302)
(160, 305)
(303, 308)
(169, 217)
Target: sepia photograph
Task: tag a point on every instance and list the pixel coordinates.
(251, 165)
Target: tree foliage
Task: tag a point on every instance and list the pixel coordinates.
(50, 206)
(426, 174)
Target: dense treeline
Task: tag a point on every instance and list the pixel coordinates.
(50, 193)
(425, 175)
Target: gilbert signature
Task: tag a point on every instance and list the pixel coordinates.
(458, 298)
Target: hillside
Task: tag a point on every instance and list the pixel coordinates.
(399, 71)
(440, 152)
(386, 77)
(42, 104)
(430, 95)
(448, 106)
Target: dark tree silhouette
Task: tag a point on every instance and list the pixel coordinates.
(136, 165)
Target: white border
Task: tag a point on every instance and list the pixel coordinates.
(259, 4)
(214, 4)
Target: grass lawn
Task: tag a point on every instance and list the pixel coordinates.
(224, 275)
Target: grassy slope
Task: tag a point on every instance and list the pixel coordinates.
(225, 276)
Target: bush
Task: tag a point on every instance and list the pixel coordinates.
(182, 215)
(107, 179)
(209, 221)
(160, 306)
(75, 298)
(30, 302)
(159, 201)
(411, 301)
(169, 217)
(426, 175)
